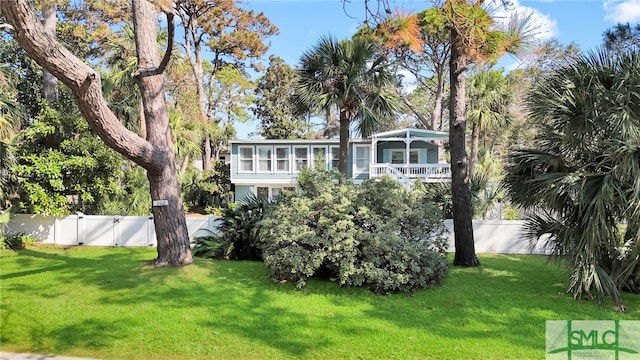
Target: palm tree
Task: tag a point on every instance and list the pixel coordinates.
(475, 38)
(351, 76)
(11, 111)
(186, 138)
(584, 172)
(488, 100)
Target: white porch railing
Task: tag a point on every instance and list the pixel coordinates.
(404, 172)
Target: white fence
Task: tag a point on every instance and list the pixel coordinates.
(503, 236)
(97, 230)
(498, 237)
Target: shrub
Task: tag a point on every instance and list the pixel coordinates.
(377, 234)
(16, 241)
(239, 233)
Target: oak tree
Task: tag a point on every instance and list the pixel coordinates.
(156, 153)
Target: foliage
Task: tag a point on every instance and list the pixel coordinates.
(132, 197)
(62, 166)
(274, 105)
(234, 37)
(24, 76)
(420, 45)
(484, 186)
(584, 170)
(16, 242)
(11, 111)
(7, 180)
(238, 234)
(186, 138)
(206, 190)
(488, 101)
(622, 37)
(377, 235)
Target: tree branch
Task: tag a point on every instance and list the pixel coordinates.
(82, 80)
(167, 55)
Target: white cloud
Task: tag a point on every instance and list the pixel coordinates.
(541, 26)
(627, 11)
(409, 82)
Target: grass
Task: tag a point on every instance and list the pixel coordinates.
(101, 303)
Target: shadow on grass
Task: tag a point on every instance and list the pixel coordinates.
(506, 300)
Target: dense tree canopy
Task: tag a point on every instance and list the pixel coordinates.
(275, 103)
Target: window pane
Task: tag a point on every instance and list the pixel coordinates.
(264, 159)
(362, 158)
(263, 193)
(319, 157)
(275, 192)
(246, 152)
(282, 159)
(245, 159)
(246, 165)
(397, 157)
(300, 158)
(413, 157)
(335, 157)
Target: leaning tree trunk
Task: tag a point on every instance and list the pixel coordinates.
(461, 195)
(49, 82)
(344, 144)
(155, 155)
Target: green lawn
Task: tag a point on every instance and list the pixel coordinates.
(101, 303)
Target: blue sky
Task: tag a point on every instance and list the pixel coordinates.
(303, 22)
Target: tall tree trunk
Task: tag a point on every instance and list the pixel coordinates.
(475, 141)
(344, 144)
(436, 113)
(155, 155)
(461, 195)
(206, 153)
(192, 42)
(169, 218)
(49, 82)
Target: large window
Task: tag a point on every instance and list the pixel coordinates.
(319, 157)
(245, 159)
(335, 157)
(282, 159)
(301, 157)
(361, 159)
(268, 193)
(264, 159)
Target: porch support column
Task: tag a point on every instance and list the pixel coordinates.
(374, 153)
(407, 143)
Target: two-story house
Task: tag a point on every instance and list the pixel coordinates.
(266, 167)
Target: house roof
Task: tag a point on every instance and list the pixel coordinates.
(392, 134)
(412, 133)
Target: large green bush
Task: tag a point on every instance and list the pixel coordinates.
(376, 234)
